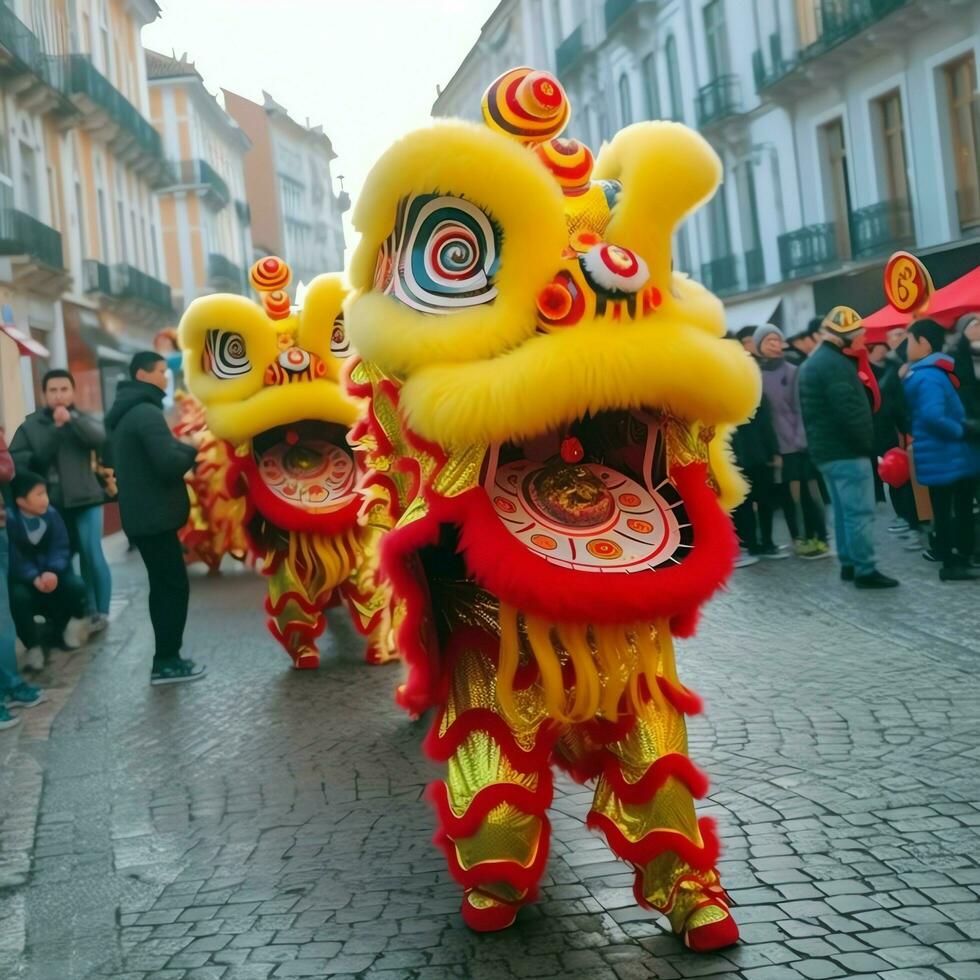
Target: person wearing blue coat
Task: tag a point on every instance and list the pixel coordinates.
(945, 446)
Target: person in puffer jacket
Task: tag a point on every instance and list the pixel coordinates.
(945, 446)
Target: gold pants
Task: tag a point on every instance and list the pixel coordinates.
(492, 805)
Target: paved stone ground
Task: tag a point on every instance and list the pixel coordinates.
(263, 823)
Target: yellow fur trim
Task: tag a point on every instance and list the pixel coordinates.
(552, 380)
(239, 408)
(732, 487)
(514, 189)
(666, 170)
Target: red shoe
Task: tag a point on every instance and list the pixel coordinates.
(306, 659)
(710, 935)
(699, 913)
(483, 913)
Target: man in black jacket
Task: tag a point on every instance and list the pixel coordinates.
(840, 434)
(150, 465)
(59, 442)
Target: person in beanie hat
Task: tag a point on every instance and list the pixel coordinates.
(946, 445)
(840, 436)
(804, 515)
(803, 342)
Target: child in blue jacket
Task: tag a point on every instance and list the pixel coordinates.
(945, 446)
(42, 582)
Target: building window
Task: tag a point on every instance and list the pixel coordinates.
(80, 224)
(682, 250)
(718, 233)
(674, 79)
(807, 22)
(625, 101)
(292, 197)
(103, 225)
(650, 89)
(837, 188)
(964, 126)
(889, 110)
(28, 179)
(717, 41)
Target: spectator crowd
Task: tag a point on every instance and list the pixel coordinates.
(835, 410)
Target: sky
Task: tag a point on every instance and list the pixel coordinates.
(366, 70)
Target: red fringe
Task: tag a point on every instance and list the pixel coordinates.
(682, 698)
(673, 766)
(534, 802)
(441, 749)
(657, 842)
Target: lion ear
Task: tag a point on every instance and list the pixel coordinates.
(666, 170)
(323, 304)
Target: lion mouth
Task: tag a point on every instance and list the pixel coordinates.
(304, 475)
(595, 497)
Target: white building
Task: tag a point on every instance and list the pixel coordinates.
(848, 128)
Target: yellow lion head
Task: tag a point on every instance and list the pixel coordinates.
(269, 378)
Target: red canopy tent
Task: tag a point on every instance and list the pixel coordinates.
(946, 306)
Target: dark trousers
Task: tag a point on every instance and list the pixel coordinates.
(163, 557)
(66, 602)
(952, 521)
(753, 517)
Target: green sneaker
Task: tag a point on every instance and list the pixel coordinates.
(25, 696)
(816, 549)
(177, 672)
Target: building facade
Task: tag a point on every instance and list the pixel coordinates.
(847, 129)
(205, 219)
(81, 265)
(295, 212)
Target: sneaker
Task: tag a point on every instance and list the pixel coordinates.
(745, 559)
(930, 555)
(958, 574)
(772, 553)
(76, 634)
(875, 581)
(97, 623)
(801, 548)
(34, 659)
(7, 720)
(820, 549)
(25, 696)
(177, 671)
(898, 527)
(913, 541)
(847, 573)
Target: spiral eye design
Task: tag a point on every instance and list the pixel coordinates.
(339, 340)
(225, 355)
(441, 257)
(613, 270)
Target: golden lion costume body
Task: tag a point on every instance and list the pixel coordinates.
(548, 409)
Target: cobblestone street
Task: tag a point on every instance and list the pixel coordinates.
(265, 824)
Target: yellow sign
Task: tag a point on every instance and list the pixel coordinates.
(908, 284)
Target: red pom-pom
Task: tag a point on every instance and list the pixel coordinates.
(572, 451)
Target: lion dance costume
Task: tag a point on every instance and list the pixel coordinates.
(268, 378)
(216, 525)
(548, 414)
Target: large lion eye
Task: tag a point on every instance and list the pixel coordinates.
(224, 355)
(441, 257)
(339, 340)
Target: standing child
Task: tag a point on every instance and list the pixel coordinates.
(42, 582)
(945, 446)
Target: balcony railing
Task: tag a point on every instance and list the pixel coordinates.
(200, 173)
(22, 234)
(968, 207)
(720, 275)
(839, 20)
(130, 283)
(880, 228)
(18, 43)
(96, 277)
(718, 99)
(123, 282)
(244, 212)
(808, 250)
(569, 51)
(755, 267)
(768, 73)
(224, 273)
(83, 80)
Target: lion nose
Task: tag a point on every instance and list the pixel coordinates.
(294, 364)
